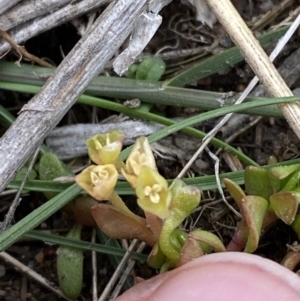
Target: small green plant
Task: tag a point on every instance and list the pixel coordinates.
(165, 208)
(271, 194)
(150, 68)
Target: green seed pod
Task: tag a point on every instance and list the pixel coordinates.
(70, 267)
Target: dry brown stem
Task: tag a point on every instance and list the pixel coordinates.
(22, 52)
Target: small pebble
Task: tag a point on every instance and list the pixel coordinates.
(39, 257)
(3, 293)
(44, 226)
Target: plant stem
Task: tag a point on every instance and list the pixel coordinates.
(117, 202)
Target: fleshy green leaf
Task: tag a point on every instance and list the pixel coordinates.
(254, 210)
(235, 191)
(70, 267)
(209, 238)
(279, 175)
(296, 225)
(156, 257)
(257, 182)
(185, 199)
(293, 182)
(190, 250)
(50, 168)
(285, 205)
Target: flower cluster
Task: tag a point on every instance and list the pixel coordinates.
(140, 171)
(165, 207)
(100, 180)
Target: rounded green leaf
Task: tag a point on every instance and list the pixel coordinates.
(70, 267)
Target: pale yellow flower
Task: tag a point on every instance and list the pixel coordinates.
(140, 156)
(99, 181)
(105, 148)
(153, 193)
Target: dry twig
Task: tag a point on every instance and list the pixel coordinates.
(256, 58)
(22, 52)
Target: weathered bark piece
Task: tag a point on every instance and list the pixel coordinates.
(143, 32)
(204, 13)
(32, 28)
(68, 141)
(60, 92)
(6, 4)
(155, 6)
(256, 58)
(27, 10)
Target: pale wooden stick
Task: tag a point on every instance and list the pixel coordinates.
(256, 58)
(83, 63)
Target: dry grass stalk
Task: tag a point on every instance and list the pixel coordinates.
(256, 58)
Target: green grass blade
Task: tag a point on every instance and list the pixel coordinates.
(37, 216)
(219, 61)
(89, 246)
(40, 185)
(209, 115)
(123, 188)
(6, 116)
(140, 114)
(146, 91)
